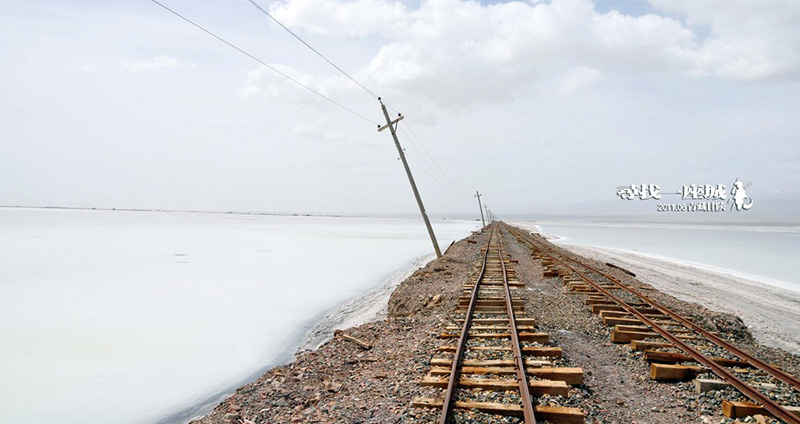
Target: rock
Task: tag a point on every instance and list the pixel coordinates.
(231, 417)
(333, 386)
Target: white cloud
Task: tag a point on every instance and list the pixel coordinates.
(357, 18)
(155, 64)
(316, 132)
(453, 53)
(266, 83)
(747, 39)
(578, 78)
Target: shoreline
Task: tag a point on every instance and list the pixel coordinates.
(368, 307)
(365, 308)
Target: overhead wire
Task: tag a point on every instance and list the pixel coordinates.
(240, 50)
(439, 177)
(429, 159)
(265, 12)
(428, 171)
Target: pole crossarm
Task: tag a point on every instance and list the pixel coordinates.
(392, 124)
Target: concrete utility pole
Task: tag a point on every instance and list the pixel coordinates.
(478, 195)
(392, 125)
(485, 206)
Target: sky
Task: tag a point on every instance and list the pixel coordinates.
(543, 106)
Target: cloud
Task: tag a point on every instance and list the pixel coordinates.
(266, 83)
(155, 64)
(747, 40)
(356, 19)
(316, 132)
(578, 78)
(454, 53)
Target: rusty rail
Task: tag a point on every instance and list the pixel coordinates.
(456, 366)
(522, 379)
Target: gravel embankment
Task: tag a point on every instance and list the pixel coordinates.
(343, 383)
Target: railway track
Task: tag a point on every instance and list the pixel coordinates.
(668, 340)
(493, 362)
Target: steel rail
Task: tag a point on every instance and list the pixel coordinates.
(773, 407)
(522, 379)
(455, 367)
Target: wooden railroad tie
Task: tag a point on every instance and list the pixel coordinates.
(612, 321)
(596, 309)
(623, 327)
(542, 338)
(743, 409)
(360, 343)
(491, 327)
(547, 351)
(580, 285)
(492, 309)
(642, 345)
(552, 414)
(702, 385)
(537, 387)
(625, 336)
(570, 375)
(670, 372)
(625, 314)
(675, 357)
(492, 301)
(489, 321)
(444, 362)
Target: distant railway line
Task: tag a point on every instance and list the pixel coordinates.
(676, 348)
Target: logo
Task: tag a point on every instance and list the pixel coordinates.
(702, 197)
(740, 196)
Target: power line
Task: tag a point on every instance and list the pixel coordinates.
(433, 163)
(264, 11)
(229, 44)
(434, 175)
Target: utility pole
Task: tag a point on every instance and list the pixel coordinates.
(485, 206)
(480, 208)
(392, 125)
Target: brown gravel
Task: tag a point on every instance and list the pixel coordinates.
(343, 383)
